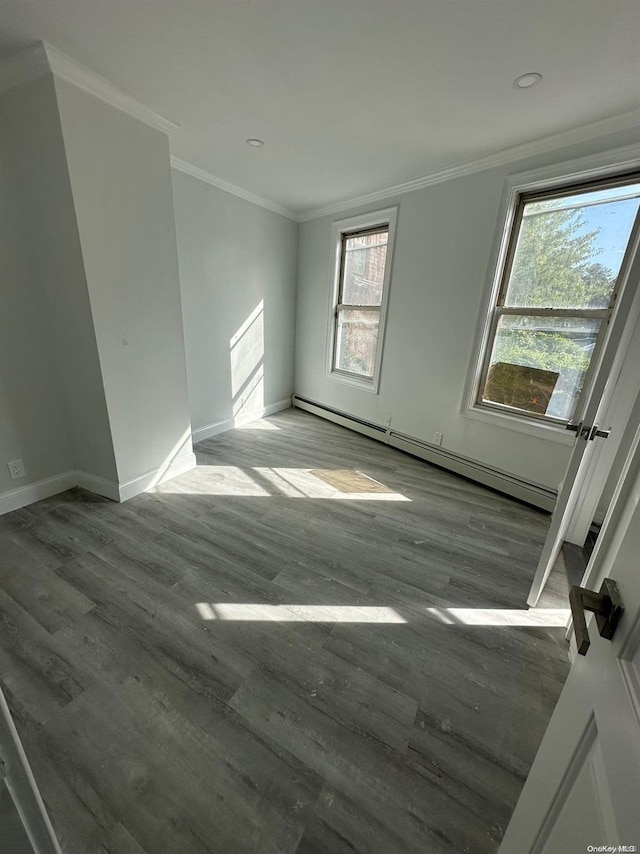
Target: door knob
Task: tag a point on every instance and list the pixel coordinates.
(606, 605)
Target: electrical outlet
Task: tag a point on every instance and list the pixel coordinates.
(437, 438)
(16, 469)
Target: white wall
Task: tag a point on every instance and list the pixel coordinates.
(52, 407)
(93, 372)
(237, 275)
(33, 424)
(121, 184)
(444, 239)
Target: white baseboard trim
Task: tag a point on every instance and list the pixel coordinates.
(145, 482)
(532, 493)
(202, 433)
(210, 430)
(97, 485)
(22, 496)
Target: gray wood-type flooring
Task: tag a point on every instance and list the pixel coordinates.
(251, 660)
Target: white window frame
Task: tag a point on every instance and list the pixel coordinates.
(608, 164)
(384, 218)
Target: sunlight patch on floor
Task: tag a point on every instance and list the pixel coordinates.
(263, 481)
(501, 616)
(217, 480)
(260, 424)
(294, 613)
(310, 483)
(298, 613)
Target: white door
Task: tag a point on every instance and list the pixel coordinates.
(594, 412)
(584, 786)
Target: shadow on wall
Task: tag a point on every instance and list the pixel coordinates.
(246, 354)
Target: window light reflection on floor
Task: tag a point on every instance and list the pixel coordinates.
(501, 616)
(259, 424)
(295, 613)
(298, 613)
(263, 481)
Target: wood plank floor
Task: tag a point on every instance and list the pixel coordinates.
(252, 659)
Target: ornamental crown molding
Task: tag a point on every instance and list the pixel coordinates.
(42, 58)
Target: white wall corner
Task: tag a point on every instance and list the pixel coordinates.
(209, 430)
(201, 175)
(42, 58)
(22, 496)
(68, 69)
(23, 67)
(30, 493)
(149, 480)
(98, 485)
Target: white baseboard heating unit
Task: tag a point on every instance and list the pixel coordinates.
(532, 493)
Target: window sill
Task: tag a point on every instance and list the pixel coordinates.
(549, 432)
(370, 386)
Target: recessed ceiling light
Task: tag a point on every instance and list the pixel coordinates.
(255, 143)
(526, 81)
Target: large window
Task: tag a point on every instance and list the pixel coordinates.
(557, 291)
(362, 259)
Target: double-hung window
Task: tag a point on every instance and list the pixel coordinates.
(557, 290)
(362, 261)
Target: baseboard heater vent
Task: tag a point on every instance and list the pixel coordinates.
(311, 406)
(532, 493)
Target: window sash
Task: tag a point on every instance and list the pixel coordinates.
(571, 189)
(536, 311)
(354, 306)
(349, 235)
(336, 339)
(499, 309)
(559, 193)
(343, 293)
(344, 306)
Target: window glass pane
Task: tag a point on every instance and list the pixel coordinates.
(569, 250)
(364, 261)
(538, 364)
(357, 339)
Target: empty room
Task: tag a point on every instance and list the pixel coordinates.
(319, 427)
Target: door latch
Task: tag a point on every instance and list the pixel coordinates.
(606, 605)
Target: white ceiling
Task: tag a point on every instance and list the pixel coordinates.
(350, 96)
